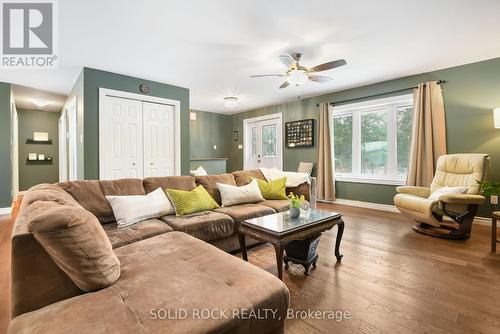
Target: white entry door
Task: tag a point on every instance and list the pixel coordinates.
(159, 149)
(122, 136)
(263, 142)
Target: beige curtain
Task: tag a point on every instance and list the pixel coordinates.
(429, 134)
(325, 183)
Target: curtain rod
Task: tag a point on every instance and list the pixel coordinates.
(380, 94)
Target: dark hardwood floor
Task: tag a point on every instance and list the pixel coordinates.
(391, 279)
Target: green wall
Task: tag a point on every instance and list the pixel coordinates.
(39, 121)
(5, 148)
(93, 80)
(210, 129)
(470, 94)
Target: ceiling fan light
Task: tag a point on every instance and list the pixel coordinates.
(231, 102)
(297, 77)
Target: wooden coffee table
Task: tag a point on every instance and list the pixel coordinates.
(280, 229)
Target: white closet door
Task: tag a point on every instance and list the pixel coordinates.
(159, 139)
(123, 132)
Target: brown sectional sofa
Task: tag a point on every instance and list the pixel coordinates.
(166, 263)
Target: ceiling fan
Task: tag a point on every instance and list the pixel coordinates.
(298, 74)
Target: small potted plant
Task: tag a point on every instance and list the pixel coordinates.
(490, 188)
(295, 204)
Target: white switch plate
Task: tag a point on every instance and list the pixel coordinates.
(240, 147)
(494, 199)
(215, 147)
(192, 116)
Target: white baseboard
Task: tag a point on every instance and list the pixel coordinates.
(389, 208)
(5, 211)
(366, 205)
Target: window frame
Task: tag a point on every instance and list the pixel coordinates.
(355, 110)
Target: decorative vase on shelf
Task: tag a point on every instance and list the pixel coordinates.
(294, 212)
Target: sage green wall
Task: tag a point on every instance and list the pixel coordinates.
(39, 121)
(470, 94)
(5, 149)
(93, 80)
(210, 129)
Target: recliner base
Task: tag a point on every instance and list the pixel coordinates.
(445, 231)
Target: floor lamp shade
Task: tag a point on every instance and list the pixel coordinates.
(496, 117)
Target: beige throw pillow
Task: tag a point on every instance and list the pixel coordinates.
(129, 210)
(232, 195)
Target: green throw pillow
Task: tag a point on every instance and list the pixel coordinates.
(275, 189)
(186, 202)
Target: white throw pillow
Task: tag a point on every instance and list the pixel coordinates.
(200, 171)
(129, 210)
(446, 191)
(232, 195)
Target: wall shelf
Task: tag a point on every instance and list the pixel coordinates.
(38, 162)
(43, 142)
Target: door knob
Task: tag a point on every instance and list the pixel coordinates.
(151, 163)
(258, 160)
(133, 163)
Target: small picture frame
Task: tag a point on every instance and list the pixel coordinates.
(40, 136)
(32, 156)
(41, 157)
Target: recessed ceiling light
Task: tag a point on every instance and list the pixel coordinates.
(40, 103)
(231, 102)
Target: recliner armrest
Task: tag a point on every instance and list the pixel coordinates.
(412, 190)
(462, 199)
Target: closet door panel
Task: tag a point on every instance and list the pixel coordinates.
(123, 138)
(159, 139)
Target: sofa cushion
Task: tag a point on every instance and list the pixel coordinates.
(206, 225)
(89, 195)
(301, 189)
(169, 182)
(122, 187)
(146, 229)
(243, 212)
(76, 241)
(243, 177)
(168, 272)
(279, 205)
(48, 192)
(209, 182)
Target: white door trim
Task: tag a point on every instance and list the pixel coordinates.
(103, 92)
(258, 119)
(63, 156)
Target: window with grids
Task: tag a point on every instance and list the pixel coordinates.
(371, 140)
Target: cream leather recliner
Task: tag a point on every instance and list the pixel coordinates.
(450, 216)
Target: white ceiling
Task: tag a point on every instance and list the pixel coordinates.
(211, 47)
(24, 97)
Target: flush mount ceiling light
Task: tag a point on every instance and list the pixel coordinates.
(40, 103)
(231, 102)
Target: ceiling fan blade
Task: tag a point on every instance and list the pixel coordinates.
(319, 78)
(328, 66)
(284, 85)
(287, 60)
(266, 75)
